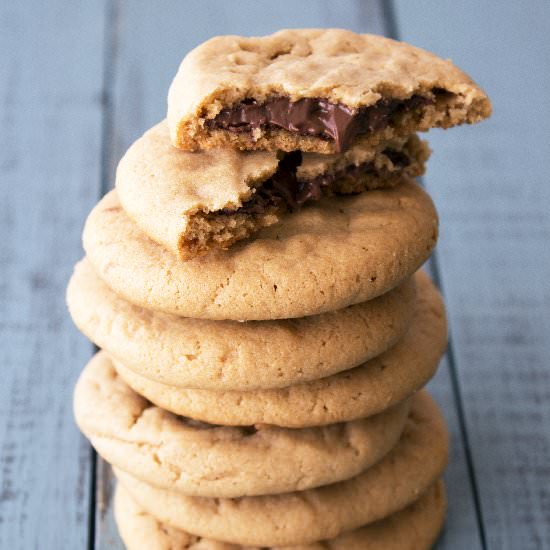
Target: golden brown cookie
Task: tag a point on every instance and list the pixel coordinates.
(175, 452)
(228, 355)
(315, 90)
(414, 528)
(332, 254)
(363, 391)
(191, 203)
(414, 464)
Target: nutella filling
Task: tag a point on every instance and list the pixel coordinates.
(284, 190)
(316, 117)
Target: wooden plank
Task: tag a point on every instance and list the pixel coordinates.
(51, 113)
(149, 45)
(491, 186)
(461, 528)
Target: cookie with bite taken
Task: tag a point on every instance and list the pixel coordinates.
(315, 90)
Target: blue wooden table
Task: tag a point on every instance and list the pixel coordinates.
(79, 81)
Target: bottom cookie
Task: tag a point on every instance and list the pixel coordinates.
(302, 517)
(414, 528)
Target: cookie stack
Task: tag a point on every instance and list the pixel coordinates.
(253, 282)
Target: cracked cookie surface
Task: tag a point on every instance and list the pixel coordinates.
(414, 528)
(303, 517)
(228, 355)
(332, 254)
(194, 458)
(363, 391)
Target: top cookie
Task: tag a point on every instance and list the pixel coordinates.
(315, 90)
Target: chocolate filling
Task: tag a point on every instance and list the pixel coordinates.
(283, 190)
(315, 117)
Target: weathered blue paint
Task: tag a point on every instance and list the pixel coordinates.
(490, 183)
(50, 130)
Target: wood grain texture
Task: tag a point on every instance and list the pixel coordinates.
(148, 45)
(51, 114)
(462, 527)
(490, 184)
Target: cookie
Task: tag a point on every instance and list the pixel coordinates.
(229, 355)
(414, 528)
(175, 452)
(191, 203)
(314, 90)
(363, 391)
(335, 253)
(414, 464)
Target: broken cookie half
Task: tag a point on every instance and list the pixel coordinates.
(314, 90)
(195, 202)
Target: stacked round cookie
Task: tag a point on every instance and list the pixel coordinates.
(264, 326)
